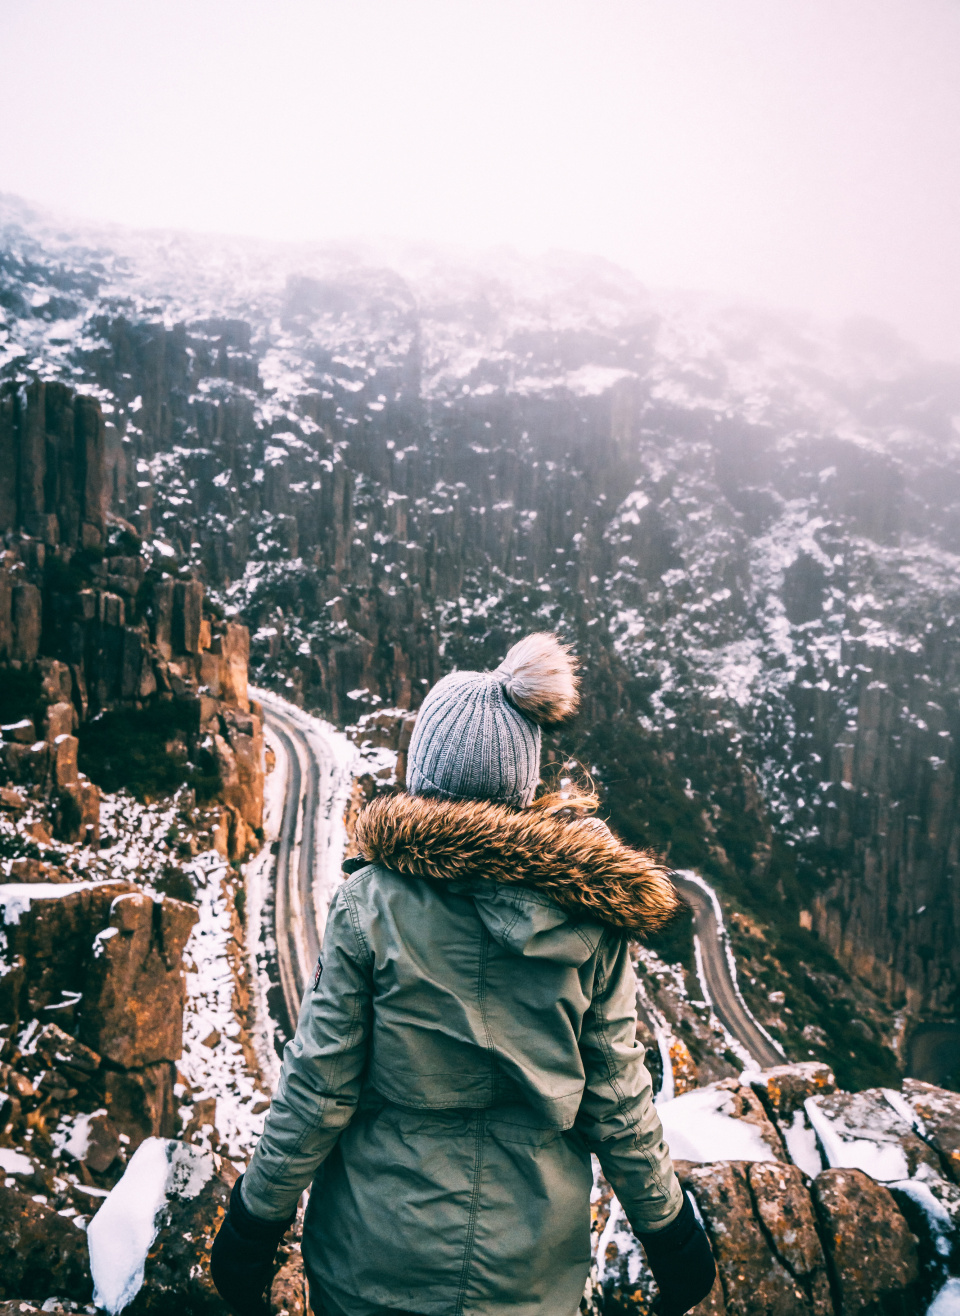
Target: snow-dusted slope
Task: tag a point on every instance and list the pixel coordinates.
(388, 461)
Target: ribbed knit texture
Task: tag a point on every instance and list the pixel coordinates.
(470, 743)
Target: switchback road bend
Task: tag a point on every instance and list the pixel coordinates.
(726, 1001)
(298, 919)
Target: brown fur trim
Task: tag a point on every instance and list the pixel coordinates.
(578, 864)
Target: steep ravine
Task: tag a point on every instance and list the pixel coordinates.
(747, 525)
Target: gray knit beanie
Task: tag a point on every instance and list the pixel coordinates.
(477, 735)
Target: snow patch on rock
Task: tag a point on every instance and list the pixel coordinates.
(124, 1229)
(699, 1127)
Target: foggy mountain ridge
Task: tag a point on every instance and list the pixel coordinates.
(748, 524)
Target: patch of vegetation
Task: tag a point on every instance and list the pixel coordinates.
(145, 752)
(821, 992)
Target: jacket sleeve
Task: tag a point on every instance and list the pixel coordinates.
(321, 1074)
(617, 1117)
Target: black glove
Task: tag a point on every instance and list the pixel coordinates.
(241, 1260)
(681, 1261)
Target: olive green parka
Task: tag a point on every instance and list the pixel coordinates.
(469, 1041)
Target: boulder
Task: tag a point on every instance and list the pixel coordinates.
(939, 1112)
(102, 1143)
(870, 1131)
(133, 992)
(35, 870)
(755, 1280)
(782, 1206)
(784, 1088)
(872, 1252)
(53, 929)
(74, 1062)
(41, 1252)
(21, 733)
(151, 1239)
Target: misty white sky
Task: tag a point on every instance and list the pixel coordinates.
(799, 152)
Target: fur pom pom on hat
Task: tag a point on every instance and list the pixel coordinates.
(477, 735)
(540, 678)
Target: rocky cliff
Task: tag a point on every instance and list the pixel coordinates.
(836, 1203)
(747, 524)
(92, 626)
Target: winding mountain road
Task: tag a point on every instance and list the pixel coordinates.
(309, 851)
(309, 847)
(716, 972)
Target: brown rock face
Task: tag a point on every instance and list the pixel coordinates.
(141, 1101)
(100, 632)
(55, 937)
(41, 1252)
(755, 1280)
(113, 957)
(238, 746)
(784, 1210)
(187, 617)
(233, 650)
(56, 441)
(871, 1250)
(133, 996)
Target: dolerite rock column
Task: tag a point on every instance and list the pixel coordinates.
(872, 1251)
(118, 955)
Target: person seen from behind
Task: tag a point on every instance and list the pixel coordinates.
(468, 1040)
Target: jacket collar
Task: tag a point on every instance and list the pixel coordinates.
(577, 862)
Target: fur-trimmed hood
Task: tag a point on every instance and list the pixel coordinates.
(577, 862)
